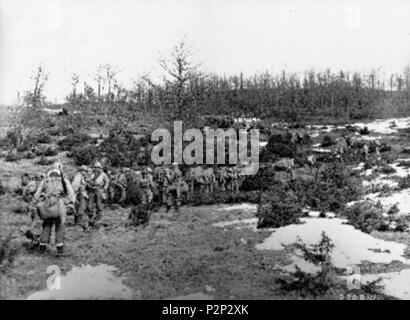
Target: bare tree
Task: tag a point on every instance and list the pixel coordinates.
(180, 70)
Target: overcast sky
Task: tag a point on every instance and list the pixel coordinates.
(229, 37)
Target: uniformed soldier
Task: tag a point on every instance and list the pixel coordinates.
(173, 182)
(160, 177)
(53, 197)
(221, 178)
(80, 187)
(365, 152)
(146, 184)
(98, 186)
(209, 178)
(234, 179)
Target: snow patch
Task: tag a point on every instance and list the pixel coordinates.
(352, 246)
(396, 284)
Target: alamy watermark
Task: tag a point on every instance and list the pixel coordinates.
(207, 142)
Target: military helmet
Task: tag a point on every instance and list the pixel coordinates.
(97, 165)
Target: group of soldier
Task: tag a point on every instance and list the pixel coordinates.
(53, 196)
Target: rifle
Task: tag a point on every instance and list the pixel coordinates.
(63, 182)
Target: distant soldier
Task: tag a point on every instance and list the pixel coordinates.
(52, 198)
(160, 177)
(173, 183)
(2, 191)
(80, 186)
(98, 186)
(198, 179)
(146, 184)
(209, 178)
(234, 179)
(311, 161)
(377, 150)
(221, 178)
(365, 152)
(341, 146)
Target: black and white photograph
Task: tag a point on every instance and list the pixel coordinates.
(204, 150)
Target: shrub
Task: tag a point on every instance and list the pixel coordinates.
(366, 216)
(139, 215)
(279, 146)
(323, 282)
(404, 182)
(122, 149)
(14, 156)
(332, 187)
(386, 169)
(326, 281)
(277, 208)
(74, 140)
(364, 131)
(50, 152)
(328, 141)
(85, 155)
(43, 137)
(263, 180)
(2, 189)
(43, 161)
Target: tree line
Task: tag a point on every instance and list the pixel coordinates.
(185, 93)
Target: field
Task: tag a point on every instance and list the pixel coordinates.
(213, 252)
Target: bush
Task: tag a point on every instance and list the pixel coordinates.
(364, 131)
(43, 161)
(122, 150)
(2, 189)
(328, 141)
(85, 155)
(44, 138)
(332, 187)
(50, 152)
(277, 208)
(326, 281)
(139, 215)
(279, 146)
(14, 156)
(366, 216)
(404, 182)
(74, 140)
(263, 180)
(323, 282)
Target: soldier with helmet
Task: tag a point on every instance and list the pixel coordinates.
(98, 186)
(51, 200)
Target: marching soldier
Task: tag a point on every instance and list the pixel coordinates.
(160, 176)
(221, 178)
(173, 182)
(98, 187)
(146, 184)
(365, 152)
(209, 178)
(80, 186)
(51, 200)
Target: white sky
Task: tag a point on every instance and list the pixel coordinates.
(229, 36)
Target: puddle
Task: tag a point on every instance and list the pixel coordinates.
(88, 283)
